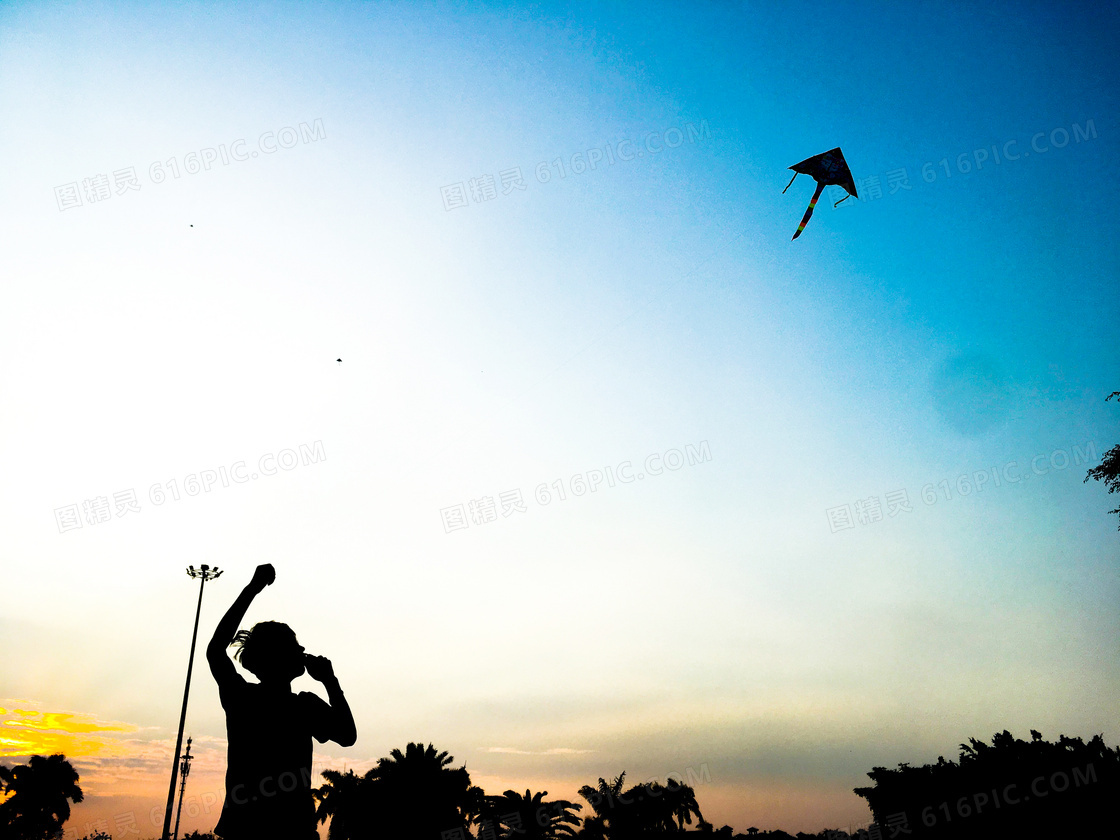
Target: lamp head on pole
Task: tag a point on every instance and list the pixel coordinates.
(205, 572)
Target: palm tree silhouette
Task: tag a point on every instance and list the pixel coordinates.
(643, 810)
(341, 799)
(530, 817)
(614, 815)
(413, 794)
(38, 791)
(680, 802)
(603, 799)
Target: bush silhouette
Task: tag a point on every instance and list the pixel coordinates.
(1010, 788)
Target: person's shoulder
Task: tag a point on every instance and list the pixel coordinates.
(233, 686)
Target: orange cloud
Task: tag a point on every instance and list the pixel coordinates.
(25, 732)
(110, 760)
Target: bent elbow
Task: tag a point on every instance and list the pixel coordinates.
(216, 655)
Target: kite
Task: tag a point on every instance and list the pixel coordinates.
(828, 168)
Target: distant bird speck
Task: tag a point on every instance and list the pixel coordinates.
(339, 361)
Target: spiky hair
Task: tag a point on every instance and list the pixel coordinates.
(255, 645)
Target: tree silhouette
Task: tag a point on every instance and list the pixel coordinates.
(409, 794)
(38, 797)
(432, 797)
(529, 817)
(341, 800)
(654, 807)
(1010, 788)
(1108, 470)
(644, 810)
(602, 798)
(679, 801)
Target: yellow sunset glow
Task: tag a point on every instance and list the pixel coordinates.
(32, 732)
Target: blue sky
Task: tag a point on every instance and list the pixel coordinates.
(711, 615)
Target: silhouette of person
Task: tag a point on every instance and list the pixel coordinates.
(269, 728)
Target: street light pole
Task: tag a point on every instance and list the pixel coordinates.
(205, 573)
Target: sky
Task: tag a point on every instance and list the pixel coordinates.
(612, 475)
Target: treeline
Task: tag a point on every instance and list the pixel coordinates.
(416, 793)
(1009, 788)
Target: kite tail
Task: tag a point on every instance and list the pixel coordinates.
(809, 210)
(795, 174)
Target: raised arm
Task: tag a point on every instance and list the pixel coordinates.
(221, 666)
(340, 727)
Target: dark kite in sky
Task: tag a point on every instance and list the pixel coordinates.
(828, 168)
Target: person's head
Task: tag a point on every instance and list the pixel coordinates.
(270, 651)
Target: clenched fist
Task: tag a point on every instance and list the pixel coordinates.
(263, 576)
